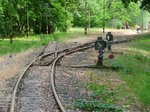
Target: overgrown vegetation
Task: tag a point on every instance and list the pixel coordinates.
(101, 99)
(101, 96)
(136, 67)
(96, 105)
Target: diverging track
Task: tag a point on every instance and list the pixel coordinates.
(35, 90)
(27, 95)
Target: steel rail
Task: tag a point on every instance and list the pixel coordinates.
(53, 75)
(13, 101)
(70, 51)
(66, 51)
(15, 90)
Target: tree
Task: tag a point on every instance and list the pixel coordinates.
(145, 4)
(46, 16)
(9, 17)
(42, 16)
(85, 14)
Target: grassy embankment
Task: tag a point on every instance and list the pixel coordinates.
(134, 69)
(36, 41)
(135, 65)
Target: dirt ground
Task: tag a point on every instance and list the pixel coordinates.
(13, 64)
(10, 65)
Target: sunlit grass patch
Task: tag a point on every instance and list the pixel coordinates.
(136, 71)
(35, 41)
(142, 43)
(18, 45)
(135, 65)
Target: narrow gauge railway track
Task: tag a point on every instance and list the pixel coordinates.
(61, 54)
(15, 97)
(53, 74)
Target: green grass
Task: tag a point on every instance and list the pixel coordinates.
(101, 99)
(18, 45)
(135, 67)
(143, 43)
(35, 41)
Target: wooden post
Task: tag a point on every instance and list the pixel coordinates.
(85, 22)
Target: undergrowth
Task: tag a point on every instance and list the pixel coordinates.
(96, 106)
(101, 100)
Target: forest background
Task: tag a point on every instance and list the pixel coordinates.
(24, 17)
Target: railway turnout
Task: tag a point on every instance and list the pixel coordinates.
(37, 89)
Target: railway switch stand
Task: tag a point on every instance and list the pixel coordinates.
(100, 45)
(109, 39)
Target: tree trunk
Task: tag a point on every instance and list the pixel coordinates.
(65, 28)
(85, 30)
(11, 38)
(104, 16)
(47, 32)
(85, 22)
(89, 21)
(37, 27)
(27, 23)
(50, 29)
(43, 29)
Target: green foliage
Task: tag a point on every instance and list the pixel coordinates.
(101, 100)
(96, 105)
(48, 16)
(40, 16)
(133, 13)
(135, 68)
(144, 3)
(116, 15)
(101, 92)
